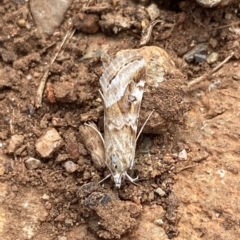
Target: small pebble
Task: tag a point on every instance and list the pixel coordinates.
(60, 218)
(151, 196)
(70, 166)
(228, 16)
(68, 222)
(62, 238)
(236, 76)
(15, 142)
(153, 11)
(213, 42)
(48, 205)
(159, 222)
(32, 163)
(45, 197)
(212, 58)
(14, 188)
(182, 155)
(49, 143)
(160, 192)
(29, 77)
(61, 157)
(86, 175)
(21, 22)
(200, 57)
(198, 49)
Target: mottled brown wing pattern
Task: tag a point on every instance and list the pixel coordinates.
(122, 90)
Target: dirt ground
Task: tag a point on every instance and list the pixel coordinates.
(187, 160)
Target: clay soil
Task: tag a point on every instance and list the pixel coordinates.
(182, 198)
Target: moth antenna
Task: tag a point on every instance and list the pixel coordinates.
(96, 130)
(132, 180)
(102, 96)
(144, 124)
(108, 176)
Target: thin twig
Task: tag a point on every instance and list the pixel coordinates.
(228, 25)
(184, 168)
(205, 75)
(45, 75)
(201, 24)
(140, 131)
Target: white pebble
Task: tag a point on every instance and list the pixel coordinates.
(182, 155)
(70, 166)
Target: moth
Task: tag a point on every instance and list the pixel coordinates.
(122, 84)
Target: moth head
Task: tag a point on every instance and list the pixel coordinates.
(117, 180)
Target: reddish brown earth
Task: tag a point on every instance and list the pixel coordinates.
(196, 197)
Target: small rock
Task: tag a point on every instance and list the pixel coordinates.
(213, 43)
(15, 142)
(48, 205)
(236, 76)
(182, 155)
(21, 22)
(61, 157)
(236, 44)
(43, 216)
(70, 166)
(150, 196)
(114, 22)
(212, 58)
(45, 197)
(153, 11)
(8, 77)
(198, 49)
(48, 15)
(32, 163)
(60, 218)
(62, 238)
(86, 175)
(160, 192)
(9, 56)
(159, 222)
(68, 222)
(200, 57)
(49, 143)
(65, 91)
(228, 16)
